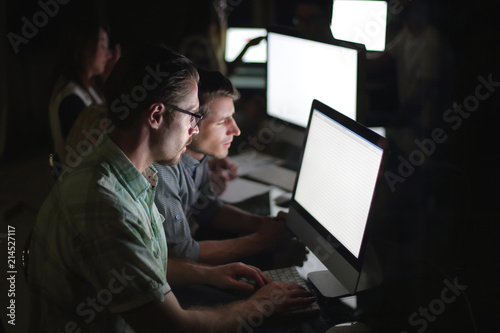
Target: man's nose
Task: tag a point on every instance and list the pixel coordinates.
(233, 128)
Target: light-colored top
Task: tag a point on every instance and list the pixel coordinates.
(185, 192)
(71, 88)
(98, 246)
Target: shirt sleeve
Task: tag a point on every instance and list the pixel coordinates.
(176, 226)
(121, 252)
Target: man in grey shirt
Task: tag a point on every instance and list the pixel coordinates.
(185, 191)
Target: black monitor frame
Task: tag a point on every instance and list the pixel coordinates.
(315, 236)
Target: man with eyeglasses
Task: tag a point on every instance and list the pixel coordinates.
(185, 192)
(194, 117)
(98, 260)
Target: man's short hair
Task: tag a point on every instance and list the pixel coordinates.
(143, 76)
(213, 84)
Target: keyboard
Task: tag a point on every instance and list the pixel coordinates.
(290, 274)
(275, 175)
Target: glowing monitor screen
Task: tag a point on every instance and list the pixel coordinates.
(237, 38)
(300, 70)
(332, 200)
(361, 22)
(337, 179)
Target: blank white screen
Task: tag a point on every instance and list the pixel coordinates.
(237, 38)
(337, 179)
(360, 22)
(301, 70)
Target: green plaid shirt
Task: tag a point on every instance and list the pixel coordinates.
(98, 246)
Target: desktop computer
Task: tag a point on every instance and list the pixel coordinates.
(332, 198)
(301, 69)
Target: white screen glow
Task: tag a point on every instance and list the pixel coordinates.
(237, 38)
(361, 22)
(300, 70)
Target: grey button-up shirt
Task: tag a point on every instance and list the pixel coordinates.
(184, 191)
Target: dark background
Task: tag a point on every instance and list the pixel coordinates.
(440, 225)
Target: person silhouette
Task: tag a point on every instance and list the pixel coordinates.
(83, 62)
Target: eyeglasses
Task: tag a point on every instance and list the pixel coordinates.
(195, 118)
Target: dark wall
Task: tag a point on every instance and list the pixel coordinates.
(472, 27)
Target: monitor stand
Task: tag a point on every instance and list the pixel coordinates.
(327, 284)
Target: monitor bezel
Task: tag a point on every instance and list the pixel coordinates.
(366, 134)
(361, 95)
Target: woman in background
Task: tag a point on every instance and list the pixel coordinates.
(84, 61)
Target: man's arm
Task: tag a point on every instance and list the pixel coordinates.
(264, 232)
(233, 219)
(182, 272)
(169, 316)
(222, 251)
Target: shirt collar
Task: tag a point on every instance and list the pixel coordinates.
(190, 162)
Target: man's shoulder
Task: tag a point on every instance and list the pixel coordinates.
(89, 175)
(81, 192)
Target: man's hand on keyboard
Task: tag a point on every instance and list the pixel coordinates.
(226, 277)
(277, 297)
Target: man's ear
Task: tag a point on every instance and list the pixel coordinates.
(156, 115)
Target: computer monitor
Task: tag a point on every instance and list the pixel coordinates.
(360, 21)
(237, 38)
(332, 199)
(301, 69)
